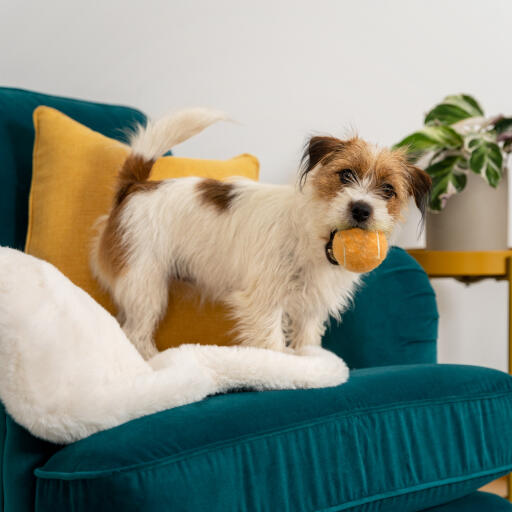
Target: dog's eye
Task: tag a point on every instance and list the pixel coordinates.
(388, 191)
(347, 176)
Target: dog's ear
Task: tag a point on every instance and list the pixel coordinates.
(317, 149)
(420, 185)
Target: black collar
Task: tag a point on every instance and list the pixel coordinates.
(328, 250)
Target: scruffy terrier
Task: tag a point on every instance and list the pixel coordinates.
(258, 248)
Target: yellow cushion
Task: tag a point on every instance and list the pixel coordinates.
(74, 170)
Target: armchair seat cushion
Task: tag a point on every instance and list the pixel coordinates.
(393, 438)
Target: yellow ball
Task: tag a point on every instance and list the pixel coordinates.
(359, 250)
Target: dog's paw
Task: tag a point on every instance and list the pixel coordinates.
(312, 351)
(323, 368)
(145, 346)
(315, 351)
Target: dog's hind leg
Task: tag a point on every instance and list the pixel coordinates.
(142, 296)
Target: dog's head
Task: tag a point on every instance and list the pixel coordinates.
(359, 185)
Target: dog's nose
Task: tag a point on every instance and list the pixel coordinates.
(360, 211)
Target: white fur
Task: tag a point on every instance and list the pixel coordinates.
(156, 137)
(264, 257)
(67, 369)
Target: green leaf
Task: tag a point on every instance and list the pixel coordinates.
(446, 114)
(503, 125)
(465, 102)
(504, 129)
(474, 142)
(447, 180)
(453, 109)
(486, 159)
(430, 138)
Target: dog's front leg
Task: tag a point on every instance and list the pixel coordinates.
(305, 330)
(259, 319)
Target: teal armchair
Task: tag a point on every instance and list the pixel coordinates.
(403, 434)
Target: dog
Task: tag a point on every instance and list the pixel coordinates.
(258, 248)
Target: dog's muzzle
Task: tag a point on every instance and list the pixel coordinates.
(328, 250)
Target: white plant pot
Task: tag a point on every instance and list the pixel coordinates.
(474, 220)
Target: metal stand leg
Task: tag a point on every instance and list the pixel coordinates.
(509, 279)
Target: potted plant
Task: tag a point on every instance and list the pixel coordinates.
(465, 154)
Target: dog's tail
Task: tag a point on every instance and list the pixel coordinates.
(153, 139)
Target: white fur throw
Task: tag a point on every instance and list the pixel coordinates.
(67, 369)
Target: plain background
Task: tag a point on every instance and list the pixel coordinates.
(284, 69)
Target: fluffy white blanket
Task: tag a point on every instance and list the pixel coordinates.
(67, 370)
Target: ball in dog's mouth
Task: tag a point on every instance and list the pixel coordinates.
(356, 249)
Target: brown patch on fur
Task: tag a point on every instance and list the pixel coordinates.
(132, 179)
(394, 206)
(110, 252)
(388, 168)
(420, 183)
(133, 174)
(352, 154)
(216, 193)
(319, 150)
(327, 185)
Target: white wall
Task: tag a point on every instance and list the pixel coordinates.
(283, 69)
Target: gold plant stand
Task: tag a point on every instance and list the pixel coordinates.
(469, 267)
